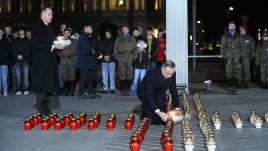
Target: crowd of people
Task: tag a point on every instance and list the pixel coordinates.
(240, 55)
(132, 54)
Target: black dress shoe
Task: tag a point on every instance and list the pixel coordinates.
(112, 91)
(82, 96)
(92, 96)
(104, 91)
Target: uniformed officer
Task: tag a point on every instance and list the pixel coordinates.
(125, 52)
(231, 53)
(248, 52)
(262, 58)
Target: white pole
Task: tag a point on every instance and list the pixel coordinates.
(177, 38)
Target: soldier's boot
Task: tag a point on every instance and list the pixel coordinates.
(66, 88)
(127, 88)
(266, 84)
(229, 92)
(122, 83)
(246, 86)
(263, 85)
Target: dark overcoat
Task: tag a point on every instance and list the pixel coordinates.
(44, 63)
(152, 91)
(86, 58)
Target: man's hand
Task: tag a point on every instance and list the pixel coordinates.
(93, 51)
(59, 47)
(20, 57)
(149, 56)
(162, 115)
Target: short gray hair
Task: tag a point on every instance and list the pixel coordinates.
(168, 63)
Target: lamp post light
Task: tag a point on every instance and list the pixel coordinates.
(229, 9)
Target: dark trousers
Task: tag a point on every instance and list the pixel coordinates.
(43, 103)
(87, 79)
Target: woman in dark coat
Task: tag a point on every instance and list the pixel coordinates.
(44, 63)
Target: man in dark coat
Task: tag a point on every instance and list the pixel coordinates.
(44, 63)
(86, 62)
(152, 92)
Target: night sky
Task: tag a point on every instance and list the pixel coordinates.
(213, 14)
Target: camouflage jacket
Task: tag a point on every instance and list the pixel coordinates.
(262, 52)
(125, 50)
(231, 46)
(68, 54)
(248, 46)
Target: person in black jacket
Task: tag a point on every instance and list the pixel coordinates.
(21, 53)
(152, 92)
(4, 61)
(86, 62)
(108, 62)
(44, 63)
(140, 64)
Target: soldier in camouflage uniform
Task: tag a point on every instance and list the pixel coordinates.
(68, 60)
(125, 52)
(231, 54)
(262, 58)
(248, 52)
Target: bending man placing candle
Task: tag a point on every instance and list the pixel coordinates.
(152, 92)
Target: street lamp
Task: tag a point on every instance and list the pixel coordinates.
(229, 9)
(198, 22)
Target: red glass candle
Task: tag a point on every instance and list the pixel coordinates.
(31, 120)
(71, 115)
(58, 125)
(62, 120)
(132, 117)
(85, 116)
(96, 121)
(52, 120)
(91, 124)
(39, 116)
(168, 144)
(135, 144)
(128, 124)
(110, 124)
(36, 120)
(67, 120)
(113, 117)
(27, 125)
(45, 125)
(98, 116)
(73, 124)
(55, 115)
(82, 119)
(78, 121)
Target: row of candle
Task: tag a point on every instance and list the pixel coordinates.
(204, 124)
(188, 137)
(166, 137)
(187, 107)
(138, 135)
